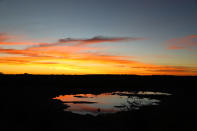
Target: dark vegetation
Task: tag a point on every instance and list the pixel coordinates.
(27, 104)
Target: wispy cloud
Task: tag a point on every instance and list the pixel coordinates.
(99, 39)
(89, 41)
(62, 42)
(4, 37)
(90, 62)
(186, 42)
(76, 55)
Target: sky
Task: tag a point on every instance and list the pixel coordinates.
(142, 37)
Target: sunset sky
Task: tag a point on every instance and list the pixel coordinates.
(143, 37)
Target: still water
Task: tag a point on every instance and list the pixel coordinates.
(110, 102)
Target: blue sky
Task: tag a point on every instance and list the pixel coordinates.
(159, 19)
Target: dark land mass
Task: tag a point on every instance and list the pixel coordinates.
(27, 104)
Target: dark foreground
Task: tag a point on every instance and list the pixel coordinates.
(27, 104)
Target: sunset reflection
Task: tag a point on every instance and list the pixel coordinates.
(108, 102)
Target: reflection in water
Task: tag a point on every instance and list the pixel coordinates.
(108, 102)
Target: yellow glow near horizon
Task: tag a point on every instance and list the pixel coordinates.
(79, 69)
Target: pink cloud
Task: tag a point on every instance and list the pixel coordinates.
(4, 37)
(182, 43)
(175, 47)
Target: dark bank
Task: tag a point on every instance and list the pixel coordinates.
(28, 102)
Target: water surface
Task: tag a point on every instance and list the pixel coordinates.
(110, 102)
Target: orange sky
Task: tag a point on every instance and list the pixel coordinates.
(77, 56)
